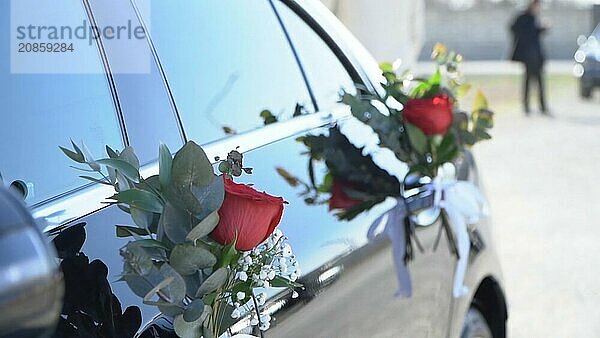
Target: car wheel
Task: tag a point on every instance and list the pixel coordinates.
(475, 325)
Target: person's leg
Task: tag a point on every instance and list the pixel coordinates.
(540, 81)
(527, 77)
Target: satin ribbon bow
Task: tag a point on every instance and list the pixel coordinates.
(395, 231)
(461, 201)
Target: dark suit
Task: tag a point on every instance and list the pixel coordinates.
(527, 48)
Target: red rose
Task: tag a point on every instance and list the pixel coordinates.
(253, 215)
(339, 198)
(433, 115)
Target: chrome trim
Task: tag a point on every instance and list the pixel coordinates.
(55, 215)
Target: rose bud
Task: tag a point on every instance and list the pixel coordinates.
(339, 198)
(247, 213)
(433, 115)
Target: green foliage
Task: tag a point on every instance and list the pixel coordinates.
(171, 262)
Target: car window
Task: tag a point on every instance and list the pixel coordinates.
(226, 61)
(326, 74)
(39, 112)
(147, 109)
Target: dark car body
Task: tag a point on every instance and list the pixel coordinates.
(215, 65)
(587, 66)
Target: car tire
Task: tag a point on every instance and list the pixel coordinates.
(475, 325)
(585, 91)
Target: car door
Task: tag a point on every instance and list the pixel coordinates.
(361, 302)
(99, 106)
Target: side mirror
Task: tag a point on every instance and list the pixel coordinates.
(31, 286)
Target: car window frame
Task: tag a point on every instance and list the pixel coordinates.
(114, 97)
(352, 67)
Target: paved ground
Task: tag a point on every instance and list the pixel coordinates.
(542, 177)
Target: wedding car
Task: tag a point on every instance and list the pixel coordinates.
(587, 63)
(205, 71)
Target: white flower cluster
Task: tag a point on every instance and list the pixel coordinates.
(272, 258)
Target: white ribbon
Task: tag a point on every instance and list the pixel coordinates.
(394, 229)
(464, 204)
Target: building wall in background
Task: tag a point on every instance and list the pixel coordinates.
(389, 29)
(481, 31)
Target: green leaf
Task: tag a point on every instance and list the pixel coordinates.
(386, 67)
(325, 187)
(480, 102)
(79, 158)
(165, 164)
(417, 138)
(187, 259)
(481, 134)
(128, 231)
(176, 289)
(194, 185)
(282, 282)
(194, 311)
(169, 309)
(95, 180)
(213, 282)
(149, 243)
(211, 197)
(462, 90)
(111, 153)
(268, 117)
(123, 167)
(228, 254)
(192, 283)
(436, 78)
(141, 218)
(176, 223)
(193, 329)
(205, 227)
(141, 199)
(128, 155)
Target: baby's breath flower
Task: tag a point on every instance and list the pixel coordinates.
(240, 295)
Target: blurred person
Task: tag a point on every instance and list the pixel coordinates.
(527, 48)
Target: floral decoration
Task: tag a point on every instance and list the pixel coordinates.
(201, 243)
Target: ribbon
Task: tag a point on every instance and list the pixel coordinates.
(464, 204)
(461, 201)
(395, 230)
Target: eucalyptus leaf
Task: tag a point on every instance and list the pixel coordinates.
(192, 283)
(205, 227)
(213, 282)
(194, 311)
(187, 259)
(89, 158)
(95, 180)
(141, 199)
(141, 218)
(193, 329)
(176, 289)
(191, 169)
(128, 155)
(111, 153)
(165, 163)
(79, 158)
(170, 309)
(128, 231)
(211, 195)
(123, 167)
(176, 223)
